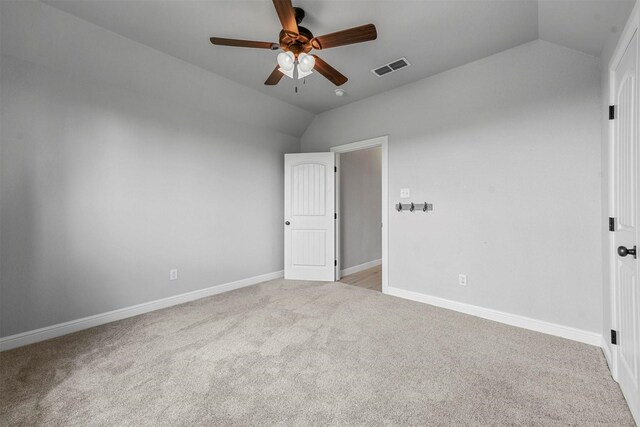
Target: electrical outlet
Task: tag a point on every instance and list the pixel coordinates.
(405, 193)
(173, 274)
(462, 279)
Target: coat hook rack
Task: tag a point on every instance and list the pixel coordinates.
(412, 207)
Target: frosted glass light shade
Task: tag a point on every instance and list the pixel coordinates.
(286, 60)
(288, 73)
(306, 62)
(303, 74)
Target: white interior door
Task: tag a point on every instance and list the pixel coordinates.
(626, 235)
(309, 214)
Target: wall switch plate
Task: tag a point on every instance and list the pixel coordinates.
(462, 279)
(405, 193)
(173, 274)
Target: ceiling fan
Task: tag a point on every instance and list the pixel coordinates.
(296, 43)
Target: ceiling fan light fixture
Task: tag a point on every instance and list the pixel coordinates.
(286, 61)
(306, 62)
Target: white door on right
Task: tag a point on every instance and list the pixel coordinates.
(626, 232)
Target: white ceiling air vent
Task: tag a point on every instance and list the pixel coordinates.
(391, 67)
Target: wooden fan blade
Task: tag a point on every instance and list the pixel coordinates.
(274, 77)
(363, 33)
(287, 16)
(243, 43)
(333, 75)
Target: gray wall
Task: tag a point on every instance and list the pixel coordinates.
(119, 163)
(360, 201)
(508, 150)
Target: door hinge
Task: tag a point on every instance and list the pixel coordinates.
(335, 169)
(612, 224)
(335, 262)
(612, 112)
(335, 216)
(614, 337)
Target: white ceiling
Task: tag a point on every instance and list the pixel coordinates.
(434, 35)
(582, 24)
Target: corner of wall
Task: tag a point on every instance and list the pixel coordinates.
(306, 130)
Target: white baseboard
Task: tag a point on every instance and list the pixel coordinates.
(361, 267)
(568, 332)
(60, 329)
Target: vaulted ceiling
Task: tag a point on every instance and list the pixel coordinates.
(434, 35)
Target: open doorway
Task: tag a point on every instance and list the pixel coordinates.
(361, 206)
(360, 219)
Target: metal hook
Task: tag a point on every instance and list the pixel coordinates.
(412, 208)
(399, 207)
(424, 207)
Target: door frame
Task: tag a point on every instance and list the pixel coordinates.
(383, 143)
(631, 27)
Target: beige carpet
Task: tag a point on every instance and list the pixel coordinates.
(294, 353)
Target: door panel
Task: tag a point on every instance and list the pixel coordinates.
(309, 189)
(626, 200)
(309, 232)
(308, 247)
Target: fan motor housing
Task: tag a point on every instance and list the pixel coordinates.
(298, 44)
